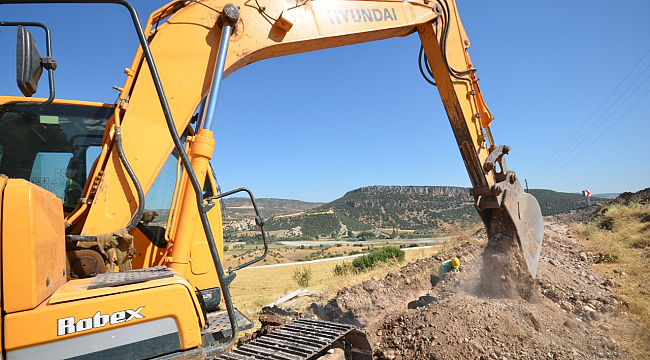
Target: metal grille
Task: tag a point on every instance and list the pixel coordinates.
(219, 325)
(130, 277)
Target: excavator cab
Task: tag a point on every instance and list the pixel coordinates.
(48, 145)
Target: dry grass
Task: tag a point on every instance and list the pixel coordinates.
(256, 287)
(624, 231)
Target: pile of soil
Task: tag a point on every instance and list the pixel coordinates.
(582, 215)
(641, 196)
(565, 313)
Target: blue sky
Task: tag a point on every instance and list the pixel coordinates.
(314, 126)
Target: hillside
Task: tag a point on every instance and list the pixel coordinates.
(238, 208)
(553, 202)
(420, 208)
(405, 207)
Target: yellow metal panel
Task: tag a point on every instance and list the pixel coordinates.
(33, 245)
(174, 300)
(200, 258)
(147, 254)
(341, 17)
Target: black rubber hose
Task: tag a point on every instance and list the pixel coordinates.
(138, 188)
(422, 57)
(135, 219)
(443, 44)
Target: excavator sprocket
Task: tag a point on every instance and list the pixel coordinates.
(304, 339)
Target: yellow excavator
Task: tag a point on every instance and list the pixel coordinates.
(91, 271)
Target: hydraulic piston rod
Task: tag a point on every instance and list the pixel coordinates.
(230, 16)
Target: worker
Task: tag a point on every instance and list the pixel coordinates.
(75, 172)
(452, 265)
(72, 193)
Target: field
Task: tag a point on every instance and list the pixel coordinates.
(293, 251)
(258, 286)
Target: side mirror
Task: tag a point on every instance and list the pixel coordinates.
(28, 62)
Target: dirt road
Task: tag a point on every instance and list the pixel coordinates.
(566, 313)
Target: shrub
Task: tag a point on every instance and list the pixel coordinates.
(302, 275)
(366, 235)
(343, 269)
(367, 262)
(606, 258)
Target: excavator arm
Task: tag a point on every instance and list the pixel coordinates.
(184, 38)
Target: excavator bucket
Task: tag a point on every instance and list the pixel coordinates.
(526, 215)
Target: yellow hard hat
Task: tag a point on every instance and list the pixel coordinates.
(455, 262)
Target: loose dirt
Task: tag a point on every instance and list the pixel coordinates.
(489, 310)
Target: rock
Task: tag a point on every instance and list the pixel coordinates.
(334, 354)
(583, 256)
(611, 283)
(588, 308)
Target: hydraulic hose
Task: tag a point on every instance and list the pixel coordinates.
(135, 219)
(138, 188)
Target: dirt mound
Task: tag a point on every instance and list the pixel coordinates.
(566, 313)
(588, 214)
(642, 196)
(363, 304)
(582, 215)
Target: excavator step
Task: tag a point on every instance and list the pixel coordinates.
(113, 279)
(219, 326)
(304, 339)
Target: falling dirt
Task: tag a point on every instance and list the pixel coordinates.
(504, 273)
(488, 310)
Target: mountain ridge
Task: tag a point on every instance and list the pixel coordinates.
(417, 208)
